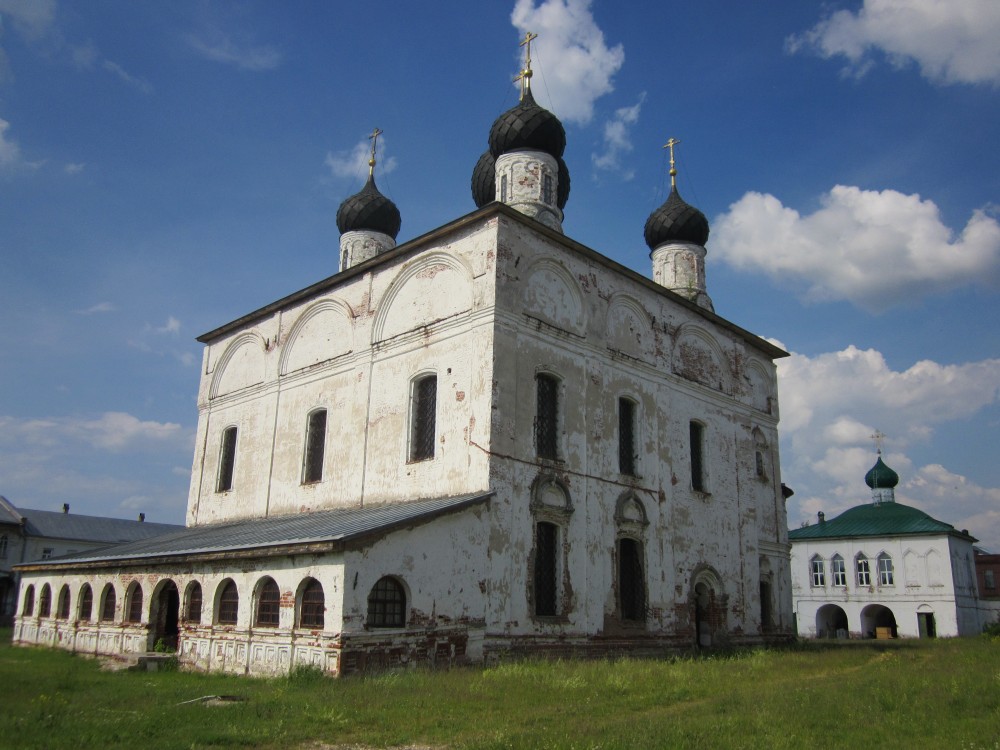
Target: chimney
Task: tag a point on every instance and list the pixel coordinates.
(142, 517)
(65, 507)
(822, 517)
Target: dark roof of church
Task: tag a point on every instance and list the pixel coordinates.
(336, 525)
(369, 209)
(676, 221)
(526, 125)
(871, 519)
(76, 527)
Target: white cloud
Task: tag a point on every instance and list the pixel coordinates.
(111, 431)
(617, 141)
(138, 83)
(172, 326)
(874, 248)
(242, 53)
(952, 42)
(570, 57)
(832, 403)
(74, 168)
(10, 152)
(100, 307)
(32, 18)
(354, 162)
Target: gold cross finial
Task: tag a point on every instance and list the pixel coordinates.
(673, 171)
(525, 75)
(878, 437)
(371, 161)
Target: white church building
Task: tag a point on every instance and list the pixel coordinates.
(883, 569)
(489, 440)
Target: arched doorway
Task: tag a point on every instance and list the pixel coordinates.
(878, 621)
(702, 605)
(831, 622)
(166, 628)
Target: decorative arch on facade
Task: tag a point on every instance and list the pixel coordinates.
(240, 366)
(164, 612)
(387, 604)
(877, 620)
(832, 622)
(62, 603)
(85, 606)
(133, 603)
(759, 384)
(697, 356)
(550, 496)
(432, 288)
(28, 601)
(267, 603)
(310, 605)
(630, 515)
(761, 454)
(708, 603)
(551, 294)
(227, 602)
(45, 601)
(193, 603)
(629, 329)
(324, 331)
(109, 602)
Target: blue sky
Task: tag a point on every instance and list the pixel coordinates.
(168, 167)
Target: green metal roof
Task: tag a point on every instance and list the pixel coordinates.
(884, 519)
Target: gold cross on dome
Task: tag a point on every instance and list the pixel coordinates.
(525, 75)
(371, 161)
(878, 437)
(673, 172)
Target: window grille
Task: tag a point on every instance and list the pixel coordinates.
(631, 580)
(863, 571)
(839, 571)
(268, 604)
(387, 604)
(989, 579)
(885, 577)
(194, 603)
(227, 460)
(503, 188)
(312, 606)
(547, 189)
(46, 553)
(315, 447)
(62, 607)
(759, 463)
(546, 569)
(818, 572)
(229, 604)
(547, 416)
(3, 547)
(135, 604)
(697, 463)
(626, 437)
(28, 608)
(86, 602)
(108, 604)
(45, 601)
(424, 418)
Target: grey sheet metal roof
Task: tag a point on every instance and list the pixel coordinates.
(57, 525)
(337, 525)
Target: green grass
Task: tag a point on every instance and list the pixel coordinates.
(938, 694)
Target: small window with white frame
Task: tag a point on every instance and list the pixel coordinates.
(885, 573)
(862, 570)
(839, 571)
(818, 570)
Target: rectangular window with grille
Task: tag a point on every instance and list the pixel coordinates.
(423, 418)
(626, 437)
(885, 577)
(315, 447)
(547, 196)
(227, 460)
(547, 416)
(546, 568)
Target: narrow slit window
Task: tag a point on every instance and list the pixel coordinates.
(194, 604)
(423, 418)
(546, 569)
(631, 580)
(547, 416)
(227, 460)
(315, 447)
(547, 189)
(697, 456)
(108, 604)
(45, 601)
(626, 437)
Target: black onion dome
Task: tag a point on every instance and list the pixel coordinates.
(527, 125)
(676, 221)
(880, 476)
(484, 181)
(370, 210)
(562, 192)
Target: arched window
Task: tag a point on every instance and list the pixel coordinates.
(423, 417)
(108, 602)
(627, 442)
(62, 604)
(839, 570)
(229, 603)
(28, 608)
(864, 574)
(697, 445)
(86, 602)
(268, 604)
(193, 611)
(45, 601)
(312, 461)
(885, 577)
(134, 602)
(546, 416)
(818, 569)
(227, 460)
(631, 580)
(387, 604)
(312, 604)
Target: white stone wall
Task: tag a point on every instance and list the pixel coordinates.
(931, 574)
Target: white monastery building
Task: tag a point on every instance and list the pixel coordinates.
(883, 569)
(488, 440)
